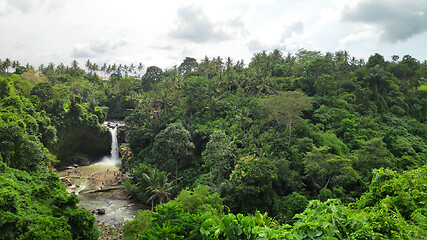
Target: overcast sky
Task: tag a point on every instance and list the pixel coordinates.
(164, 32)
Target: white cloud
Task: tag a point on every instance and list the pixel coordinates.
(97, 48)
(293, 28)
(345, 42)
(26, 6)
(398, 20)
(290, 39)
(195, 26)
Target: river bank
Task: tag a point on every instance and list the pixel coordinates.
(109, 232)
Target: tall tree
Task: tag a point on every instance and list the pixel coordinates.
(152, 76)
(173, 148)
(376, 59)
(285, 107)
(324, 170)
(188, 67)
(253, 180)
(220, 156)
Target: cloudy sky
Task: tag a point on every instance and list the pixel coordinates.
(164, 32)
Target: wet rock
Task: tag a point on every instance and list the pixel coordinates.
(83, 161)
(66, 181)
(101, 211)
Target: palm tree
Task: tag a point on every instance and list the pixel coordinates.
(120, 68)
(240, 65)
(125, 69)
(114, 69)
(132, 68)
(104, 68)
(216, 65)
(74, 66)
(140, 67)
(95, 67)
(29, 67)
(243, 117)
(15, 64)
(88, 65)
(158, 186)
(109, 69)
(229, 64)
(61, 69)
(275, 57)
(214, 106)
(7, 64)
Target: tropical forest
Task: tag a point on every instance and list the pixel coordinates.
(303, 145)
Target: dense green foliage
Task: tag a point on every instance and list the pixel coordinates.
(394, 207)
(41, 115)
(47, 120)
(281, 131)
(180, 218)
(38, 207)
(299, 146)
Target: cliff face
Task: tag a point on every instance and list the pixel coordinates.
(126, 155)
(82, 144)
(121, 133)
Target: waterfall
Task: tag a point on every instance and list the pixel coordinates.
(114, 158)
(114, 145)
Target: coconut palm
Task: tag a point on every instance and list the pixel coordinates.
(95, 67)
(158, 186)
(6, 65)
(228, 64)
(140, 67)
(104, 68)
(203, 67)
(15, 64)
(88, 65)
(132, 68)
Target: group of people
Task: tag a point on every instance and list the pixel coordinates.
(102, 176)
(108, 181)
(75, 173)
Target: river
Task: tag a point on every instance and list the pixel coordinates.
(84, 180)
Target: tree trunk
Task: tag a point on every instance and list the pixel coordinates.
(327, 183)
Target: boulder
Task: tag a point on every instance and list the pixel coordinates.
(84, 161)
(66, 181)
(101, 211)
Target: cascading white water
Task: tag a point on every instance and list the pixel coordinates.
(114, 159)
(114, 145)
